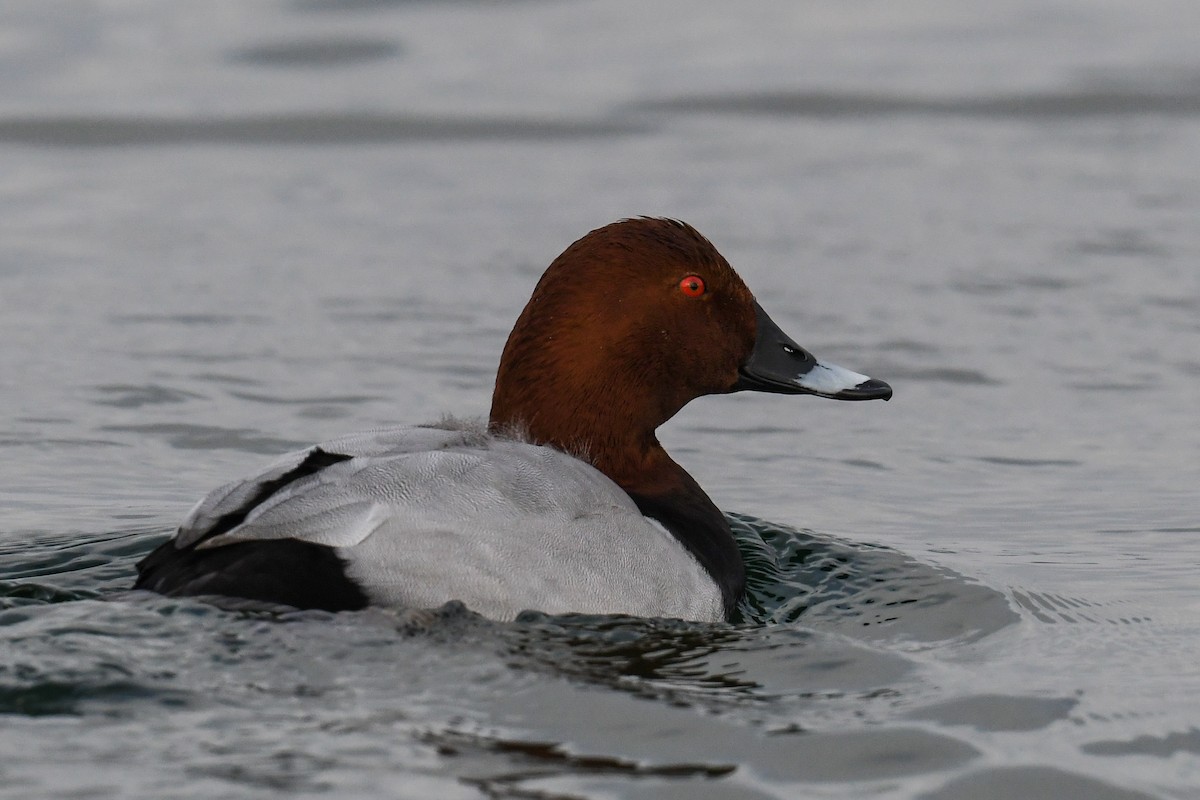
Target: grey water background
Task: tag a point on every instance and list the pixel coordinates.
(229, 229)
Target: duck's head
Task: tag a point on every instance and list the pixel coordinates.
(633, 321)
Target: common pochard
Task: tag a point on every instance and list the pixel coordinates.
(565, 501)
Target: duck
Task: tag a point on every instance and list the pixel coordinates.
(563, 501)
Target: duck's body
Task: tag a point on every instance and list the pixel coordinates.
(581, 511)
(417, 517)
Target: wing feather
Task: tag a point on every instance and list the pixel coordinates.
(223, 515)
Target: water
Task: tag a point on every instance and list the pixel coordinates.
(229, 230)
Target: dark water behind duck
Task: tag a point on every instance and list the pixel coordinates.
(230, 230)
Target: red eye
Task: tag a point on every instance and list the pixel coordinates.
(692, 286)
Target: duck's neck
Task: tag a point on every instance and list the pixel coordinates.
(590, 418)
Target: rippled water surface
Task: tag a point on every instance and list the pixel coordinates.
(232, 229)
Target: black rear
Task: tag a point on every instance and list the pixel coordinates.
(279, 571)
